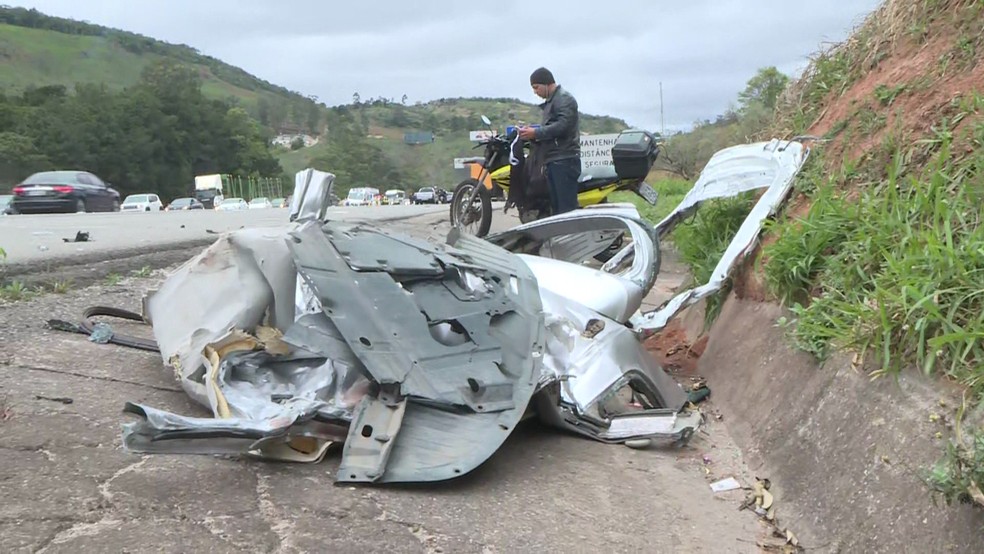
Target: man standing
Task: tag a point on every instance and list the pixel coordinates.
(559, 138)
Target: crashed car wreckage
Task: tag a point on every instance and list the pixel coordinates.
(422, 358)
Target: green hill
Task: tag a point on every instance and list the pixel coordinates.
(364, 143)
(38, 50)
(383, 123)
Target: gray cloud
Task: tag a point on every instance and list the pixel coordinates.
(611, 55)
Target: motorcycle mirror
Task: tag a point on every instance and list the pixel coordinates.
(486, 120)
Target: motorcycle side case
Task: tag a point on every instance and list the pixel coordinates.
(634, 154)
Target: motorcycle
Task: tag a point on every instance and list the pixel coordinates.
(633, 154)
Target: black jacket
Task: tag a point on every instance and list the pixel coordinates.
(559, 135)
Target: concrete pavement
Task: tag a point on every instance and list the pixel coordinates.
(68, 486)
(36, 238)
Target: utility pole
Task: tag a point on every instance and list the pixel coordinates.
(662, 124)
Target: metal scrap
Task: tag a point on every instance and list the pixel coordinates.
(420, 357)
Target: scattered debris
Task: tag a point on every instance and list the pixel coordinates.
(88, 327)
(42, 248)
(699, 391)
(725, 485)
(102, 333)
(65, 326)
(80, 236)
(59, 399)
(211, 232)
(761, 501)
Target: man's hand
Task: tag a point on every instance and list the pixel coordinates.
(527, 133)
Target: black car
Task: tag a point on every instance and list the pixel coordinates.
(64, 191)
(179, 204)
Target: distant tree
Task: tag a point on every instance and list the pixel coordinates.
(404, 100)
(314, 118)
(356, 98)
(263, 111)
(764, 88)
(297, 143)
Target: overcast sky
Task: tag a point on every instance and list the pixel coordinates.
(612, 55)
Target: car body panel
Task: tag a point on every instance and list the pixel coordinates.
(427, 355)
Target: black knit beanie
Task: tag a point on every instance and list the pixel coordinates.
(542, 76)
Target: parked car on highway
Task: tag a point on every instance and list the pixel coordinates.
(64, 191)
(5, 203)
(426, 195)
(279, 202)
(394, 197)
(232, 205)
(142, 203)
(362, 196)
(179, 204)
(260, 203)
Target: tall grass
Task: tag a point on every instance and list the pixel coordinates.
(703, 240)
(906, 281)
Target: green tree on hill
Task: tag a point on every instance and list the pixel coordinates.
(152, 137)
(763, 89)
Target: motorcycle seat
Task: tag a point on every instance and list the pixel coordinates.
(596, 177)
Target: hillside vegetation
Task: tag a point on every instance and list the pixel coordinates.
(39, 50)
(881, 251)
(154, 136)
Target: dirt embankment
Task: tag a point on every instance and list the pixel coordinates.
(846, 454)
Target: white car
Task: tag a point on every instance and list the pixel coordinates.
(260, 203)
(232, 205)
(142, 203)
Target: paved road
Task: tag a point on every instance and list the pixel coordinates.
(69, 487)
(34, 238)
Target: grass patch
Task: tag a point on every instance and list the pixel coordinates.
(906, 282)
(15, 291)
(61, 287)
(870, 121)
(113, 279)
(886, 94)
(671, 193)
(142, 272)
(959, 475)
(805, 245)
(702, 240)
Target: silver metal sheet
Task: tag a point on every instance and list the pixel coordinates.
(770, 165)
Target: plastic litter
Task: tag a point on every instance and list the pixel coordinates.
(724, 485)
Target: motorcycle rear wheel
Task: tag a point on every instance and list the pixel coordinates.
(475, 219)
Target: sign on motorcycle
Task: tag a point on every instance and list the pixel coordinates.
(596, 150)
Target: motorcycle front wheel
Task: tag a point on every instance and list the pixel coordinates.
(474, 217)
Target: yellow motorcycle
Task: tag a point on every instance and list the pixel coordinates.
(633, 156)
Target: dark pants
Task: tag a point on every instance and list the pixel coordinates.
(562, 178)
